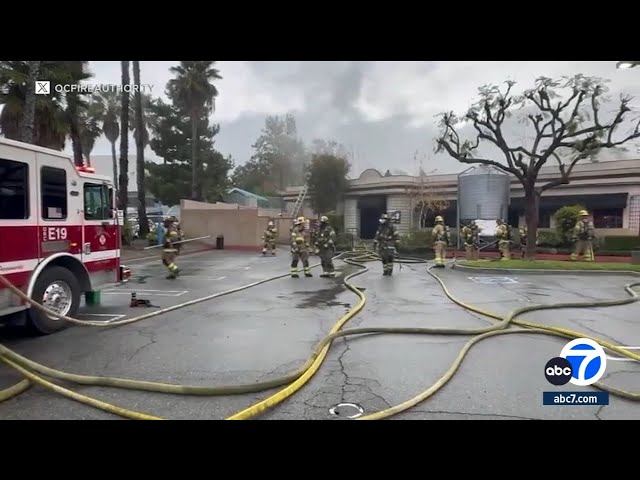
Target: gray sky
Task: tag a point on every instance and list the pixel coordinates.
(381, 111)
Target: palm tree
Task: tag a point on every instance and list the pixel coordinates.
(124, 140)
(29, 113)
(76, 106)
(90, 129)
(197, 95)
(111, 126)
(49, 126)
(139, 136)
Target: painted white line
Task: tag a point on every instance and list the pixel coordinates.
(157, 293)
(203, 278)
(247, 268)
(623, 359)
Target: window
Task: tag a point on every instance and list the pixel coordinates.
(97, 202)
(14, 190)
(54, 193)
(607, 218)
(545, 219)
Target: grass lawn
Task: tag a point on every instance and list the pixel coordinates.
(549, 265)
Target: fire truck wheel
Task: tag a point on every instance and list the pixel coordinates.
(57, 289)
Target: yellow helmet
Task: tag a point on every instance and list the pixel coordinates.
(270, 224)
(300, 220)
(324, 219)
(439, 219)
(583, 213)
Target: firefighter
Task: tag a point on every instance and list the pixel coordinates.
(470, 236)
(441, 240)
(386, 242)
(300, 248)
(503, 235)
(169, 250)
(314, 228)
(180, 236)
(583, 235)
(523, 240)
(325, 245)
(269, 238)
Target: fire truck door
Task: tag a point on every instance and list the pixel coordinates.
(100, 230)
(59, 211)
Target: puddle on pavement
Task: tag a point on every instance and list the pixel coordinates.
(325, 297)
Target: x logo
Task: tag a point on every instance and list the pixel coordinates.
(43, 87)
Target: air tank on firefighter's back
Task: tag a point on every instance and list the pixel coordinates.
(483, 193)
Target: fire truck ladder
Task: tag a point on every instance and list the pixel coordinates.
(300, 201)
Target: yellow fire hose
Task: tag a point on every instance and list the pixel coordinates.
(300, 377)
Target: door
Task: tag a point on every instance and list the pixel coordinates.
(100, 229)
(58, 206)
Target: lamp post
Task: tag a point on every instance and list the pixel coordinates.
(625, 64)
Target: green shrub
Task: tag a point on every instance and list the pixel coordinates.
(549, 239)
(565, 219)
(621, 243)
(416, 238)
(336, 221)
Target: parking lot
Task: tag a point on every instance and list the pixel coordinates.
(270, 329)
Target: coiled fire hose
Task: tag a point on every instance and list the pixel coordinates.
(300, 377)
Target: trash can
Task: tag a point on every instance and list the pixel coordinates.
(220, 242)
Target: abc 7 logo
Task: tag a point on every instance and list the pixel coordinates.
(581, 362)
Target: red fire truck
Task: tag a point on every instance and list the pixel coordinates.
(59, 234)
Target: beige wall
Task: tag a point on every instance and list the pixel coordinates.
(241, 228)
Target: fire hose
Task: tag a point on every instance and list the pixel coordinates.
(297, 379)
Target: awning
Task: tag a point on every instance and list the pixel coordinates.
(591, 202)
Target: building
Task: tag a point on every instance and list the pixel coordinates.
(610, 190)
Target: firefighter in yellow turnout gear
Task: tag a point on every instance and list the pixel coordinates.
(324, 239)
(169, 249)
(583, 234)
(300, 240)
(523, 240)
(470, 234)
(441, 237)
(386, 242)
(269, 238)
(503, 235)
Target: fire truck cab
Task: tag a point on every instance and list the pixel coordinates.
(59, 234)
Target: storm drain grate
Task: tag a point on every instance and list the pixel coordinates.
(347, 410)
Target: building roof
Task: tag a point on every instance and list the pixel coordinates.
(248, 194)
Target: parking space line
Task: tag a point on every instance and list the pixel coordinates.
(623, 359)
(157, 293)
(202, 278)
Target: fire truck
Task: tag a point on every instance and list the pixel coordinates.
(59, 234)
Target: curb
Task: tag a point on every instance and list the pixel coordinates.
(544, 272)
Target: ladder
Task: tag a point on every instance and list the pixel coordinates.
(300, 201)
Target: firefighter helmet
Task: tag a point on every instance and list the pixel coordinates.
(324, 219)
(583, 213)
(439, 219)
(270, 224)
(384, 216)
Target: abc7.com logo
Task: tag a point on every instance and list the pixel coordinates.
(581, 362)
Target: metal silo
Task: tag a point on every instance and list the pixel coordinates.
(483, 194)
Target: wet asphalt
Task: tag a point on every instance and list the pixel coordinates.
(270, 329)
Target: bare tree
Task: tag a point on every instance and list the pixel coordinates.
(566, 117)
(424, 196)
